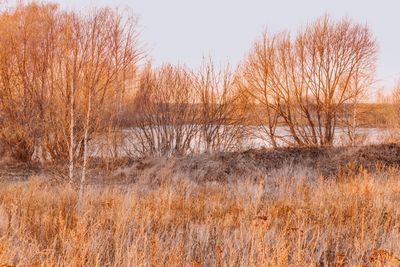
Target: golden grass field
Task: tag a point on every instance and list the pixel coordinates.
(288, 217)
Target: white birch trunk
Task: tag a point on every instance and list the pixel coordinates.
(85, 146)
(71, 136)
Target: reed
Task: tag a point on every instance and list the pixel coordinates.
(277, 220)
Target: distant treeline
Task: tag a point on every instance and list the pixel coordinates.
(369, 115)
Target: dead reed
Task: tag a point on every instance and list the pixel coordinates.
(276, 220)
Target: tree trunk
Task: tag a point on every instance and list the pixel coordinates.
(85, 146)
(71, 136)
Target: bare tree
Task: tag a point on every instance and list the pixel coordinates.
(255, 83)
(392, 116)
(358, 92)
(59, 74)
(334, 53)
(221, 125)
(163, 120)
(29, 34)
(310, 76)
(111, 51)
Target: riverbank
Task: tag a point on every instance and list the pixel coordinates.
(219, 167)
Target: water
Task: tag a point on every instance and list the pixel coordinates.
(123, 143)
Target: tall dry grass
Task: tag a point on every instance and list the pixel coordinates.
(287, 218)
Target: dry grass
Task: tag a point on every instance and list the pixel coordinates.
(226, 167)
(287, 218)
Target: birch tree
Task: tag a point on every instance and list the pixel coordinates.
(111, 51)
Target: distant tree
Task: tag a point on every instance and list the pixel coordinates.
(358, 92)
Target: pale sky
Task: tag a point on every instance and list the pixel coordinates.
(183, 31)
